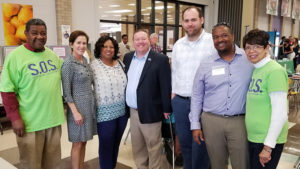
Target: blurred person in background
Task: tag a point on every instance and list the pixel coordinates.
(154, 43)
(124, 46)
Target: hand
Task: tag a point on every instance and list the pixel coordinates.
(78, 118)
(18, 127)
(264, 156)
(167, 115)
(172, 96)
(198, 135)
(127, 46)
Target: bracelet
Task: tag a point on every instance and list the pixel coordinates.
(267, 150)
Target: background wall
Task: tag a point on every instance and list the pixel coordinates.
(297, 29)
(43, 9)
(286, 25)
(286, 29)
(263, 18)
(85, 16)
(247, 18)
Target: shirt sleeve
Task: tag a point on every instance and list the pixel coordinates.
(278, 117)
(197, 100)
(9, 75)
(165, 84)
(277, 81)
(11, 105)
(67, 80)
(173, 67)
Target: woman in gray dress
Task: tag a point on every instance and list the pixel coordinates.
(77, 86)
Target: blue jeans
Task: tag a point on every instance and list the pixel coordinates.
(256, 148)
(110, 135)
(194, 156)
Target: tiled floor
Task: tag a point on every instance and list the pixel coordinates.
(9, 151)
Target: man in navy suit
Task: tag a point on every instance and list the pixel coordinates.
(148, 96)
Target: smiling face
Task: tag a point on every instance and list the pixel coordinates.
(192, 23)
(223, 39)
(108, 50)
(141, 42)
(79, 46)
(256, 53)
(37, 37)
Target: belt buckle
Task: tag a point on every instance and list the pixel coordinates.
(224, 115)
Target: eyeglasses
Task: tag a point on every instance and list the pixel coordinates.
(226, 24)
(253, 47)
(222, 23)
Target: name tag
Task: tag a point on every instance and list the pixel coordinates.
(218, 71)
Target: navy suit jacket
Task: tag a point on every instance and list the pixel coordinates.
(154, 88)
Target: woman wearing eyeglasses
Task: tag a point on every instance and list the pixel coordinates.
(266, 106)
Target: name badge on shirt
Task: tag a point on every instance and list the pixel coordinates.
(218, 71)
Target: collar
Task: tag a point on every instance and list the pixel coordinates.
(73, 59)
(27, 46)
(262, 62)
(238, 52)
(142, 58)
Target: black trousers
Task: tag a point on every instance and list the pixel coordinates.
(254, 151)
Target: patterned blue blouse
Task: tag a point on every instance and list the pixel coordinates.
(110, 83)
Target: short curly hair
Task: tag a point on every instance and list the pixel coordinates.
(256, 37)
(34, 21)
(100, 44)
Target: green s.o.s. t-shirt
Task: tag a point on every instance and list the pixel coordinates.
(35, 77)
(270, 78)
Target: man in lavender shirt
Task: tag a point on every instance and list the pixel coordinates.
(218, 102)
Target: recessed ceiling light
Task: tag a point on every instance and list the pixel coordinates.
(119, 11)
(133, 4)
(160, 7)
(113, 6)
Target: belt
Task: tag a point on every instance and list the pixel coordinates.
(225, 115)
(234, 115)
(185, 98)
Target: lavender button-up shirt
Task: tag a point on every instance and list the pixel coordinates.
(220, 87)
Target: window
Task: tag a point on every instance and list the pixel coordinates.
(163, 17)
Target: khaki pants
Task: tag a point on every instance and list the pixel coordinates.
(40, 149)
(226, 137)
(146, 142)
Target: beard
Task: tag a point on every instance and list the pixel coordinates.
(227, 50)
(194, 32)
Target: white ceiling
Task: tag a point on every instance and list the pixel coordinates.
(125, 10)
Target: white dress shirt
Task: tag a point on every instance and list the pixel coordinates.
(186, 58)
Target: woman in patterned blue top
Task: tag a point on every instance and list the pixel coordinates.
(110, 82)
(77, 81)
